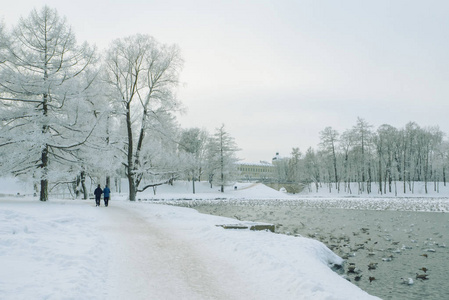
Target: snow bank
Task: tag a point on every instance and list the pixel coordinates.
(49, 251)
(278, 266)
(184, 190)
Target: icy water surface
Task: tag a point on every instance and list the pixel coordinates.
(381, 245)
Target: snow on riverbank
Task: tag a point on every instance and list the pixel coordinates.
(246, 193)
(64, 249)
(183, 190)
(412, 190)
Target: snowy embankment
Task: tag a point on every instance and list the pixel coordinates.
(70, 249)
(49, 250)
(432, 201)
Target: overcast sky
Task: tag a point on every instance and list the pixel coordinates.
(278, 72)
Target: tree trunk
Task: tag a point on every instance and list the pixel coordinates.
(221, 164)
(335, 167)
(380, 175)
(44, 180)
(222, 185)
(426, 169)
(211, 177)
(83, 185)
(395, 189)
(389, 182)
(44, 190)
(132, 188)
(444, 176)
(368, 188)
(403, 173)
(130, 171)
(76, 186)
(45, 129)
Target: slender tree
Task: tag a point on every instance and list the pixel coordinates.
(362, 138)
(294, 165)
(221, 158)
(193, 144)
(329, 140)
(311, 168)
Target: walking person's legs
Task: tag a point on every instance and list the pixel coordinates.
(106, 200)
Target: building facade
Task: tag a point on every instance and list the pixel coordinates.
(262, 171)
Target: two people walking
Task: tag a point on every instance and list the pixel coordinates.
(107, 193)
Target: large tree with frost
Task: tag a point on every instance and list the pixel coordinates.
(44, 83)
(143, 75)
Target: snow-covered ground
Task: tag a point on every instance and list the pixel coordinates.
(70, 249)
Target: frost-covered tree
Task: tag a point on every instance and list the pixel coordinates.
(408, 150)
(282, 169)
(443, 155)
(99, 157)
(385, 156)
(312, 168)
(44, 76)
(429, 140)
(222, 158)
(362, 137)
(346, 143)
(3, 42)
(294, 166)
(385, 142)
(160, 163)
(192, 145)
(143, 75)
(329, 140)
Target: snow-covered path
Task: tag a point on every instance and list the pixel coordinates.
(147, 261)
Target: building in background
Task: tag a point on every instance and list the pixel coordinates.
(262, 171)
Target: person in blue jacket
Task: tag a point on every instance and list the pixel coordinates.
(107, 194)
(98, 191)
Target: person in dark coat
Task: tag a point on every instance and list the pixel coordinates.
(107, 193)
(98, 191)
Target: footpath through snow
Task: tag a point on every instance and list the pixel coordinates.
(170, 252)
(150, 262)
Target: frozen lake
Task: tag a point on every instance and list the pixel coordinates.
(385, 239)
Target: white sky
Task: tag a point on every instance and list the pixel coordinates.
(278, 72)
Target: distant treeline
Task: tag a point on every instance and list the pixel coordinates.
(363, 155)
